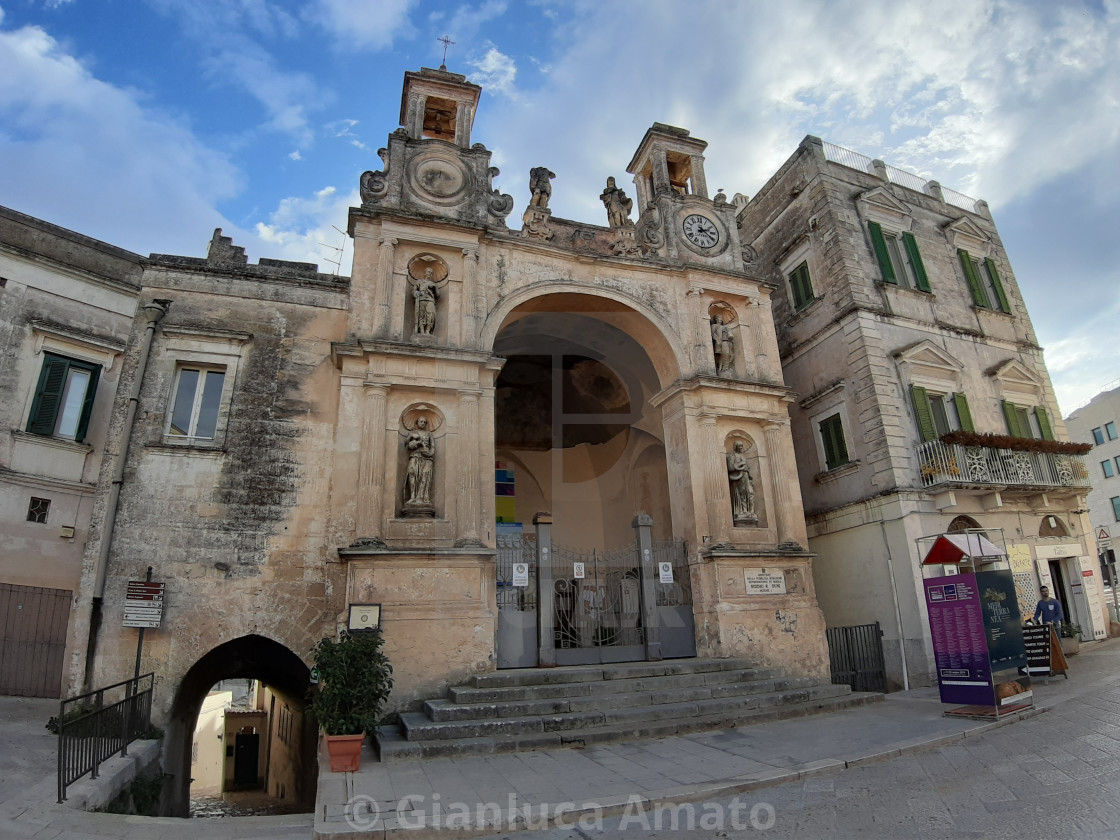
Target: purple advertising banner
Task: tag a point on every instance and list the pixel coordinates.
(960, 645)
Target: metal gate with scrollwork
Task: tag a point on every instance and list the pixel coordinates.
(597, 605)
(620, 605)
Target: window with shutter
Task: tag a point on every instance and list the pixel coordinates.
(900, 262)
(972, 276)
(832, 436)
(801, 286)
(63, 399)
(923, 411)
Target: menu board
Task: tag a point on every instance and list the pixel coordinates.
(960, 644)
(1004, 628)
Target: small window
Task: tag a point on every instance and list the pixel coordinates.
(1027, 422)
(1110, 430)
(801, 286)
(38, 509)
(1098, 436)
(1116, 508)
(197, 397)
(983, 282)
(1117, 459)
(1106, 468)
(63, 398)
(832, 435)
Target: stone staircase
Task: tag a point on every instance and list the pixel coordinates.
(539, 708)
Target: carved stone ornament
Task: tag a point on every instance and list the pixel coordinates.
(439, 178)
(650, 235)
(535, 223)
(626, 243)
(498, 205)
(742, 485)
(373, 186)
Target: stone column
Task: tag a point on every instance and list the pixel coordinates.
(371, 470)
(463, 125)
(643, 528)
(699, 182)
(747, 341)
(660, 170)
(703, 352)
(780, 472)
(467, 509)
(546, 610)
(472, 298)
(416, 106)
(384, 286)
(766, 342)
(715, 480)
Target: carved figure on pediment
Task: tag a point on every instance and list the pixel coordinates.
(540, 185)
(742, 485)
(618, 205)
(723, 345)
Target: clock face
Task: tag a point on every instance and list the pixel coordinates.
(700, 230)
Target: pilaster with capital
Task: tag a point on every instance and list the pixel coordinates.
(660, 170)
(473, 310)
(371, 471)
(463, 125)
(417, 103)
(779, 450)
(467, 509)
(699, 182)
(715, 481)
(384, 286)
(766, 342)
(698, 333)
(746, 337)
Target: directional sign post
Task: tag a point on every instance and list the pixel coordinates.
(143, 608)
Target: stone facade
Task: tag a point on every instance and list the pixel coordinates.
(66, 297)
(855, 344)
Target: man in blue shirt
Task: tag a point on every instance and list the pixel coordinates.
(1048, 610)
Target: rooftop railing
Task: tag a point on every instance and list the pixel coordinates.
(957, 464)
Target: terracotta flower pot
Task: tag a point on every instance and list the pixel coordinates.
(345, 752)
(1071, 645)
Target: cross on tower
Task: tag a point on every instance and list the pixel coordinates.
(447, 42)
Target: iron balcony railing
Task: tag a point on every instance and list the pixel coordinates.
(96, 726)
(957, 464)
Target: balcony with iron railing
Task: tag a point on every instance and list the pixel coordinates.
(958, 465)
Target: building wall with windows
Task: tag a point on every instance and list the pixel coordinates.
(1098, 423)
(899, 321)
(66, 306)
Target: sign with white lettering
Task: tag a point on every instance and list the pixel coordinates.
(765, 581)
(143, 604)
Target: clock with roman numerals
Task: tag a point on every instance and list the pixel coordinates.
(700, 230)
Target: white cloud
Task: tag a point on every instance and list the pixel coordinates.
(295, 155)
(310, 229)
(69, 134)
(495, 71)
(361, 24)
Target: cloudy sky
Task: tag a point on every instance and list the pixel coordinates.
(148, 123)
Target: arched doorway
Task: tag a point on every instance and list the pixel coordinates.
(577, 434)
(286, 677)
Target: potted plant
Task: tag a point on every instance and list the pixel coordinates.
(355, 679)
(1070, 637)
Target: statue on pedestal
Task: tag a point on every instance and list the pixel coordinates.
(424, 293)
(421, 449)
(742, 486)
(618, 206)
(723, 344)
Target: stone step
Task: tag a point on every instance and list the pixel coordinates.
(460, 708)
(598, 673)
(417, 726)
(617, 685)
(393, 746)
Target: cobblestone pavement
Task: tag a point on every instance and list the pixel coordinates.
(1055, 775)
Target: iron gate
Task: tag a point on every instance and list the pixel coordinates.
(857, 657)
(597, 605)
(676, 626)
(517, 605)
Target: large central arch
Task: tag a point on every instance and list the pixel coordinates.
(253, 657)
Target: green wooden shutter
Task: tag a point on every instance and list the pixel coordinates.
(881, 254)
(1012, 419)
(997, 285)
(963, 412)
(978, 295)
(1043, 423)
(832, 435)
(922, 411)
(916, 261)
(801, 285)
(87, 404)
(48, 395)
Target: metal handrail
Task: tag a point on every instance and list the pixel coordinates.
(91, 730)
(952, 463)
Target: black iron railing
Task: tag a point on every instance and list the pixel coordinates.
(94, 727)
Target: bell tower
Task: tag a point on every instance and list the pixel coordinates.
(439, 105)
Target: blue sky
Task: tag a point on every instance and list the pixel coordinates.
(148, 123)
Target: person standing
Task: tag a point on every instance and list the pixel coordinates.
(1048, 610)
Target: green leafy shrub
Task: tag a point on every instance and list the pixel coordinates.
(355, 679)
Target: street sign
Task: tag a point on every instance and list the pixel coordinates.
(143, 604)
(1102, 533)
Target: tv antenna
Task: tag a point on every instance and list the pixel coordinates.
(338, 251)
(447, 42)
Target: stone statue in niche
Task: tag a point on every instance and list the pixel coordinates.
(540, 184)
(618, 206)
(424, 293)
(742, 485)
(421, 448)
(723, 344)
